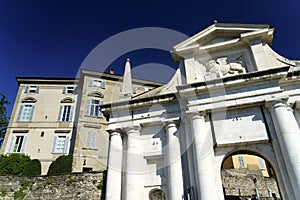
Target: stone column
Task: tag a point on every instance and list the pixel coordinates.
(134, 180)
(114, 168)
(288, 134)
(204, 155)
(174, 161)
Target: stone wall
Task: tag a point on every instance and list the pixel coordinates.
(243, 183)
(68, 186)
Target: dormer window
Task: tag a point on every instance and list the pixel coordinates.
(32, 89)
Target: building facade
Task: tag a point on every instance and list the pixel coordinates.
(231, 95)
(60, 116)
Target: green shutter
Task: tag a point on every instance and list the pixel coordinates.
(71, 113)
(23, 144)
(64, 90)
(11, 144)
(87, 107)
(66, 145)
(53, 144)
(20, 113)
(31, 113)
(59, 113)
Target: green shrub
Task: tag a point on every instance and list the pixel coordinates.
(19, 195)
(13, 164)
(32, 168)
(63, 164)
(3, 193)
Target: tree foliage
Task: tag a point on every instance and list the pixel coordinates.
(32, 168)
(3, 115)
(13, 164)
(63, 164)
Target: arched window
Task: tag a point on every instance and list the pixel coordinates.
(67, 100)
(29, 100)
(66, 110)
(26, 109)
(96, 94)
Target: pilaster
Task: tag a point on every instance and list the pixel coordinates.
(288, 134)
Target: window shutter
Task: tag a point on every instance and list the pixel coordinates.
(103, 85)
(23, 144)
(93, 139)
(31, 113)
(64, 90)
(59, 113)
(37, 89)
(54, 144)
(71, 113)
(88, 142)
(20, 113)
(66, 145)
(90, 83)
(262, 163)
(87, 107)
(26, 89)
(100, 114)
(11, 144)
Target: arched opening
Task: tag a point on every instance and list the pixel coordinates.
(248, 175)
(156, 194)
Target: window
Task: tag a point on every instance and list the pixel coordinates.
(32, 89)
(261, 163)
(68, 90)
(60, 144)
(241, 162)
(17, 144)
(134, 90)
(97, 83)
(25, 113)
(92, 108)
(65, 113)
(91, 140)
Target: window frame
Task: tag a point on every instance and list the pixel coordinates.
(65, 113)
(24, 114)
(32, 89)
(57, 141)
(17, 146)
(92, 107)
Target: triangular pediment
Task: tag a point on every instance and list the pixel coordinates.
(225, 34)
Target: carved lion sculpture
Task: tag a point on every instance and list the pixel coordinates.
(237, 67)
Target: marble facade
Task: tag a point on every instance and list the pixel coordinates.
(231, 93)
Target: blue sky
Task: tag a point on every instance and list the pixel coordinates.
(52, 38)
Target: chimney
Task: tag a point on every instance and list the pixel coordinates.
(111, 71)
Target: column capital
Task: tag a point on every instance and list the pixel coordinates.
(171, 122)
(132, 129)
(195, 115)
(297, 105)
(116, 131)
(276, 102)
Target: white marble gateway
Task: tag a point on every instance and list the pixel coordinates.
(231, 93)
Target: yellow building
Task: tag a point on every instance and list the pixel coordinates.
(60, 116)
(249, 162)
